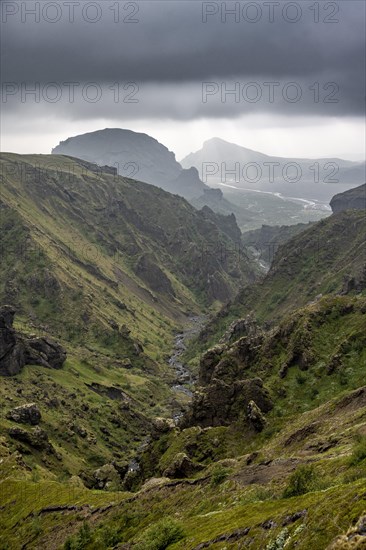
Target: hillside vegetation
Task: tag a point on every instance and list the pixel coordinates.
(102, 445)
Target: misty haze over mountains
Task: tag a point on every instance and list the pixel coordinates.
(256, 187)
(217, 163)
(221, 162)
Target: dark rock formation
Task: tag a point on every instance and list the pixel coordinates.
(220, 404)
(12, 350)
(228, 392)
(25, 414)
(44, 351)
(182, 466)
(241, 327)
(227, 224)
(352, 199)
(17, 350)
(36, 438)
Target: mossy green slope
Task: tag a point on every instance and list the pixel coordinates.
(327, 258)
(300, 481)
(111, 268)
(86, 252)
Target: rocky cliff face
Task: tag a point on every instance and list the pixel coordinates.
(228, 391)
(241, 378)
(17, 350)
(352, 199)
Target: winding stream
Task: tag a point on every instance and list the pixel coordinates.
(184, 379)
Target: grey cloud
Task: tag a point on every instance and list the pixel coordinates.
(171, 46)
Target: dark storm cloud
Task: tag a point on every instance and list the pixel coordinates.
(184, 44)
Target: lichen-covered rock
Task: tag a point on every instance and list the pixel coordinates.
(25, 414)
(255, 416)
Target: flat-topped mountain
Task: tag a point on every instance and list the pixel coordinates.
(134, 155)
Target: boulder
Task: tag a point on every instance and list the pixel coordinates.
(46, 352)
(25, 414)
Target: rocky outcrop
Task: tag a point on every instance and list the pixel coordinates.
(36, 438)
(241, 327)
(352, 199)
(227, 224)
(106, 477)
(181, 466)
(161, 426)
(228, 391)
(25, 414)
(17, 350)
(44, 351)
(220, 403)
(12, 350)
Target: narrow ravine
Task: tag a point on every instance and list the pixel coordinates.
(184, 378)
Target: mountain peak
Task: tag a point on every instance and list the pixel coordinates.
(135, 155)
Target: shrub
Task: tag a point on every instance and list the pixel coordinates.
(300, 482)
(300, 378)
(359, 451)
(280, 542)
(160, 535)
(219, 474)
(79, 541)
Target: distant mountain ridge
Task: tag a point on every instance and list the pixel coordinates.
(219, 161)
(134, 155)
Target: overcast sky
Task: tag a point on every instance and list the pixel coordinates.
(285, 78)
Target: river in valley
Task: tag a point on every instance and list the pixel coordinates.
(184, 379)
